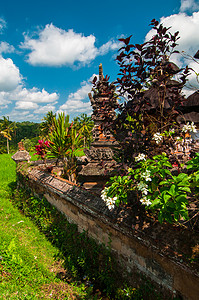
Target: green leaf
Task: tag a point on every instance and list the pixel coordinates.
(184, 188)
(182, 177)
(197, 176)
(181, 198)
(167, 164)
(163, 182)
(184, 214)
(166, 197)
(176, 216)
(155, 202)
(172, 190)
(168, 172)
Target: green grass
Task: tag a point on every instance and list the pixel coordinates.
(28, 268)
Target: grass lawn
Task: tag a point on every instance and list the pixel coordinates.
(28, 268)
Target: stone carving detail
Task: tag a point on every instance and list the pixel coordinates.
(99, 154)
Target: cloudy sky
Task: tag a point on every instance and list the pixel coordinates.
(50, 50)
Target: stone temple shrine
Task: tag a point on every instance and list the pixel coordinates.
(100, 156)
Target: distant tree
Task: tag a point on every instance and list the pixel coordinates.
(46, 127)
(6, 129)
(24, 130)
(84, 125)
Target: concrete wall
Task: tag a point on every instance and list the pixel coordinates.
(135, 252)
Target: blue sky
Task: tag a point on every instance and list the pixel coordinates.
(50, 50)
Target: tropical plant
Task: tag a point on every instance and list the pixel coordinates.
(65, 143)
(59, 137)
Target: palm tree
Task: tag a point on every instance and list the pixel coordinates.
(6, 129)
(47, 126)
(84, 125)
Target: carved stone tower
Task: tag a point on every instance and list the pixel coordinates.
(100, 155)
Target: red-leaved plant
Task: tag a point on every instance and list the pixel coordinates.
(42, 148)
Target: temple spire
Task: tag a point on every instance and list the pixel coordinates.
(101, 76)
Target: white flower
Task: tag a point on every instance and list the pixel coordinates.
(185, 128)
(145, 201)
(148, 202)
(193, 127)
(140, 156)
(110, 205)
(143, 187)
(190, 128)
(110, 202)
(146, 175)
(145, 192)
(157, 137)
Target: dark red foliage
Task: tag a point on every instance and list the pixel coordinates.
(153, 98)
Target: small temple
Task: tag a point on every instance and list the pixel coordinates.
(100, 155)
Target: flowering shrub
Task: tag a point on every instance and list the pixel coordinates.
(158, 189)
(42, 148)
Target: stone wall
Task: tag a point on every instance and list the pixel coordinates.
(134, 249)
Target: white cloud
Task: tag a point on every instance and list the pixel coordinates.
(188, 42)
(9, 75)
(2, 24)
(187, 27)
(23, 116)
(189, 5)
(44, 109)
(12, 89)
(3, 102)
(28, 99)
(57, 47)
(32, 95)
(6, 48)
(110, 45)
(78, 102)
(26, 105)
